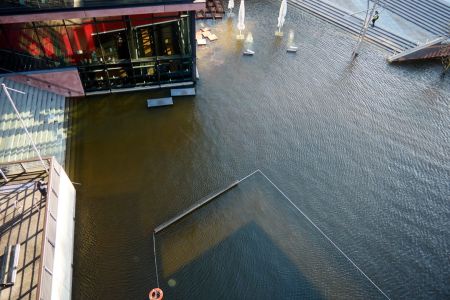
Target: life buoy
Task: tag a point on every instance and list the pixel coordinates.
(156, 294)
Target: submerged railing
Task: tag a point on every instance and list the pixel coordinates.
(252, 212)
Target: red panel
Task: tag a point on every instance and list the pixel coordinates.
(64, 82)
(48, 46)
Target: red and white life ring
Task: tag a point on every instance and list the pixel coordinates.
(156, 294)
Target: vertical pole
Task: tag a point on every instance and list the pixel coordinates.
(192, 44)
(23, 125)
(364, 29)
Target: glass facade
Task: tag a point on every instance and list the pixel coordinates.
(110, 52)
(8, 7)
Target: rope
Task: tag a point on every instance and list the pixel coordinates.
(156, 264)
(334, 244)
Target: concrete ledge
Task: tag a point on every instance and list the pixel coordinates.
(65, 82)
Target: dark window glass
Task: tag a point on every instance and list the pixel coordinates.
(144, 41)
(23, 40)
(81, 38)
(94, 78)
(112, 41)
(167, 39)
(55, 43)
(121, 75)
(145, 72)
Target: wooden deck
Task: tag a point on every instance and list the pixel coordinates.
(44, 114)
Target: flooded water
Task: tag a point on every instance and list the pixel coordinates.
(361, 147)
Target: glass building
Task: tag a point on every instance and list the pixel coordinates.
(113, 44)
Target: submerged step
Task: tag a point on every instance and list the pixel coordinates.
(182, 92)
(159, 102)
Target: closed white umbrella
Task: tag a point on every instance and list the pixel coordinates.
(281, 16)
(241, 20)
(230, 4)
(230, 8)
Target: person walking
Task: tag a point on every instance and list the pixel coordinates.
(375, 18)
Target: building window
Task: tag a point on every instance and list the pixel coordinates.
(80, 34)
(23, 39)
(110, 52)
(55, 41)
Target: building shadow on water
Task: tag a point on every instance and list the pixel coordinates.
(251, 244)
(245, 265)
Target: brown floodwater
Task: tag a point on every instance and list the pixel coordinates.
(361, 147)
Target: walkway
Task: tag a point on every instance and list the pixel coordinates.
(44, 115)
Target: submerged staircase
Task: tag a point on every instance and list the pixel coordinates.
(431, 15)
(353, 24)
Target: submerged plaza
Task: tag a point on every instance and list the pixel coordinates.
(360, 146)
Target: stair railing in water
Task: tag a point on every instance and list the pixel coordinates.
(326, 236)
(214, 196)
(199, 204)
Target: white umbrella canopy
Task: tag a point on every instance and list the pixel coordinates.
(282, 14)
(230, 4)
(241, 17)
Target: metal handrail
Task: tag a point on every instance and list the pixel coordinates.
(46, 59)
